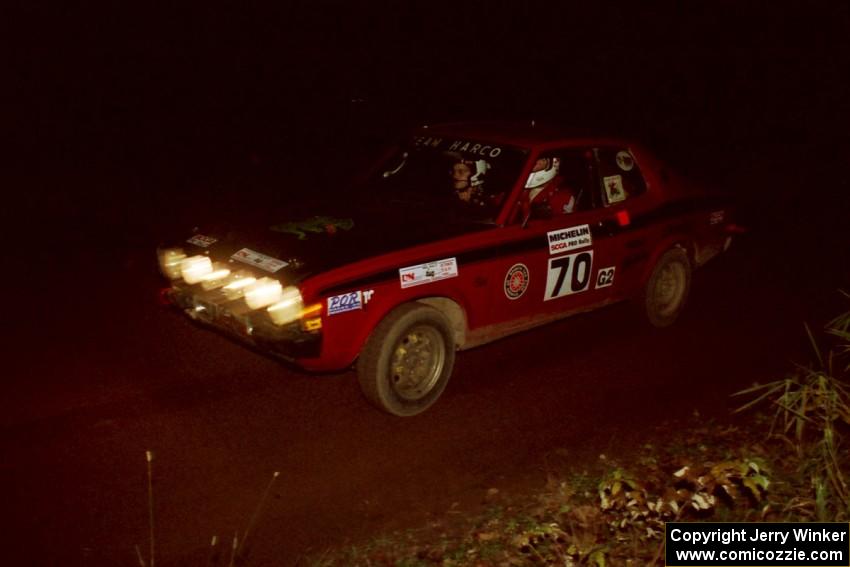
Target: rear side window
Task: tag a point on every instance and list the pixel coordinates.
(619, 176)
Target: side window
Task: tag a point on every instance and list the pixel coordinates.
(561, 182)
(578, 176)
(619, 176)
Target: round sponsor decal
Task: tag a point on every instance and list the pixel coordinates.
(516, 281)
(625, 161)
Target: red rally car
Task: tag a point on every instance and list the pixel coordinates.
(463, 234)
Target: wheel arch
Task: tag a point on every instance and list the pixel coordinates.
(666, 291)
(448, 307)
(453, 311)
(682, 243)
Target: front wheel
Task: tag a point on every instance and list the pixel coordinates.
(667, 288)
(407, 360)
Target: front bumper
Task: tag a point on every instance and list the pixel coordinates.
(234, 318)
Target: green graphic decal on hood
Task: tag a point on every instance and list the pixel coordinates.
(327, 225)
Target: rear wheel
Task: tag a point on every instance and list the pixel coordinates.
(667, 288)
(407, 360)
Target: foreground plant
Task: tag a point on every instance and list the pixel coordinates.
(840, 327)
(611, 515)
(812, 410)
(697, 471)
(238, 548)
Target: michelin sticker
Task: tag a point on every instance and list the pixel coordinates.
(569, 238)
(202, 241)
(427, 273)
(625, 161)
(516, 281)
(267, 263)
(614, 188)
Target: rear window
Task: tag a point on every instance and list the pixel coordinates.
(619, 176)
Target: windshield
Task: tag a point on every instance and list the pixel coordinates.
(468, 179)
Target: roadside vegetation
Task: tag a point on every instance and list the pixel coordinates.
(781, 460)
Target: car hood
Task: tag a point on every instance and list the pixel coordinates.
(313, 243)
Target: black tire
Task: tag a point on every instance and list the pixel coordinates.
(407, 360)
(667, 289)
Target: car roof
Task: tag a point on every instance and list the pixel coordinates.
(527, 134)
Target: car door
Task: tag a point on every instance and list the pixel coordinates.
(558, 262)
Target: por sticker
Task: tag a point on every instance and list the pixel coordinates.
(427, 273)
(202, 241)
(267, 263)
(614, 188)
(346, 302)
(568, 239)
(516, 281)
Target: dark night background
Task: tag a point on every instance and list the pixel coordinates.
(149, 106)
(129, 121)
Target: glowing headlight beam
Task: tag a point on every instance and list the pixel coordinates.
(240, 283)
(217, 274)
(215, 278)
(263, 293)
(289, 307)
(195, 268)
(234, 288)
(169, 262)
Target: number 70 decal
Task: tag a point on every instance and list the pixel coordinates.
(568, 274)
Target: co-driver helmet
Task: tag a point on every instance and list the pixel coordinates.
(545, 175)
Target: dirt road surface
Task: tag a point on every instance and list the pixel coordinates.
(101, 373)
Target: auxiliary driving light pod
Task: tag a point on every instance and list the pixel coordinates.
(263, 293)
(216, 278)
(195, 268)
(240, 281)
(289, 307)
(169, 262)
(236, 285)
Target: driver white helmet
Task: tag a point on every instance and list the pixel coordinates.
(545, 175)
(481, 168)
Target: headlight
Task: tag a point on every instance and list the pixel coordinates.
(288, 308)
(216, 278)
(263, 293)
(169, 262)
(195, 268)
(235, 288)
